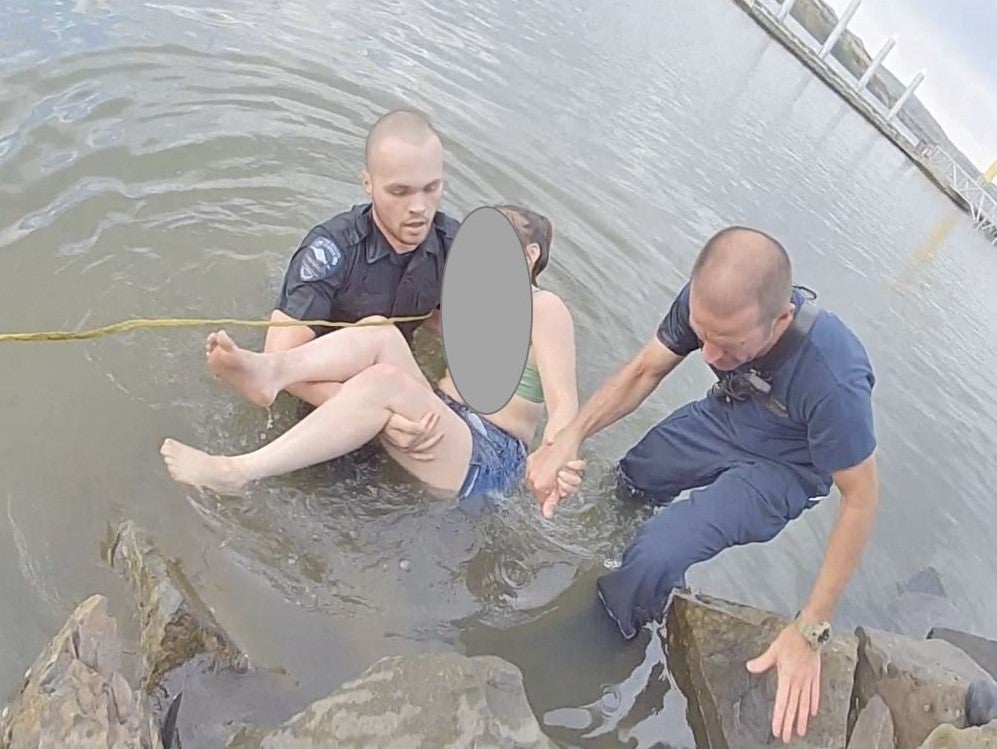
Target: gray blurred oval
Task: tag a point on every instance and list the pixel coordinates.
(487, 310)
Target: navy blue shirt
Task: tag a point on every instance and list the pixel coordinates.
(824, 419)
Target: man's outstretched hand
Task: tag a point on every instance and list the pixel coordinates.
(554, 472)
(798, 672)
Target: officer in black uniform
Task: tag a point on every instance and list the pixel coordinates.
(346, 270)
(385, 257)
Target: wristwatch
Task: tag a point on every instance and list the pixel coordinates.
(816, 633)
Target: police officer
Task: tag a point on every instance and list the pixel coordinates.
(783, 423)
(385, 257)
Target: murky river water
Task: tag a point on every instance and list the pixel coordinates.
(162, 159)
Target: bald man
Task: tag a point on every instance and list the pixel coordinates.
(385, 257)
(790, 414)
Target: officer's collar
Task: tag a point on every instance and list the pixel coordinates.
(380, 248)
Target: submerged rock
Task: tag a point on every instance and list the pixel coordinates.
(923, 682)
(709, 642)
(75, 696)
(947, 736)
(178, 630)
(426, 701)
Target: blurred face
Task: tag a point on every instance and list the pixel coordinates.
(405, 184)
(733, 339)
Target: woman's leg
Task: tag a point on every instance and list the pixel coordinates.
(351, 418)
(335, 357)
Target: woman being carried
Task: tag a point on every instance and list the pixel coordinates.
(476, 454)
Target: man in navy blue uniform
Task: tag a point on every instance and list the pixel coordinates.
(790, 414)
(382, 258)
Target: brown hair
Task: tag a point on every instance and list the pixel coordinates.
(531, 228)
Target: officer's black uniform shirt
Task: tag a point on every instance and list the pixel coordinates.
(345, 270)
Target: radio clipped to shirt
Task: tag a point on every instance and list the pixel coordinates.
(756, 380)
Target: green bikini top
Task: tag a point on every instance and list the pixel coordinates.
(530, 386)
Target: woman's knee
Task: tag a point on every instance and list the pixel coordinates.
(387, 333)
(385, 383)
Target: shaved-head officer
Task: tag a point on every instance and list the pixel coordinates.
(385, 257)
(789, 415)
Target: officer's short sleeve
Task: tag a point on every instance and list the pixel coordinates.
(313, 276)
(447, 228)
(674, 330)
(840, 425)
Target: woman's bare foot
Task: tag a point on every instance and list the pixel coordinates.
(190, 466)
(248, 372)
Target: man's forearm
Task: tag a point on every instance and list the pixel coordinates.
(844, 549)
(618, 397)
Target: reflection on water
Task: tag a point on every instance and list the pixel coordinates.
(161, 159)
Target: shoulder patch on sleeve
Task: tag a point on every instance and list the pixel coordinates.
(321, 260)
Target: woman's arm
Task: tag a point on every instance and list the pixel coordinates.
(553, 340)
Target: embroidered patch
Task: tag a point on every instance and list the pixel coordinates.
(320, 260)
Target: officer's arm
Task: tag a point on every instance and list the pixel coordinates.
(859, 487)
(311, 279)
(286, 337)
(842, 438)
(624, 391)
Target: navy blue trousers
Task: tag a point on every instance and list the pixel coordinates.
(736, 498)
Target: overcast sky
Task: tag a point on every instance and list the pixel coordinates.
(956, 42)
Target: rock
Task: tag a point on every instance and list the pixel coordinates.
(181, 640)
(874, 727)
(980, 649)
(709, 642)
(74, 696)
(923, 682)
(429, 701)
(981, 702)
(947, 736)
(178, 630)
(926, 581)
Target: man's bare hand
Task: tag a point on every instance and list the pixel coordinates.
(414, 438)
(554, 472)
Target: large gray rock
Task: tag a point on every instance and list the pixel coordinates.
(710, 640)
(178, 630)
(874, 727)
(75, 696)
(427, 701)
(980, 649)
(923, 682)
(981, 702)
(947, 736)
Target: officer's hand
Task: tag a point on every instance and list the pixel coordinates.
(569, 479)
(414, 438)
(553, 472)
(798, 682)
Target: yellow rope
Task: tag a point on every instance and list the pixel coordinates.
(119, 327)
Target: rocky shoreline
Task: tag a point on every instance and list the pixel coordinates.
(879, 689)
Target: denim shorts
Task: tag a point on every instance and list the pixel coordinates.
(498, 460)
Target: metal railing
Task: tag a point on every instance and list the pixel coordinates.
(974, 190)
